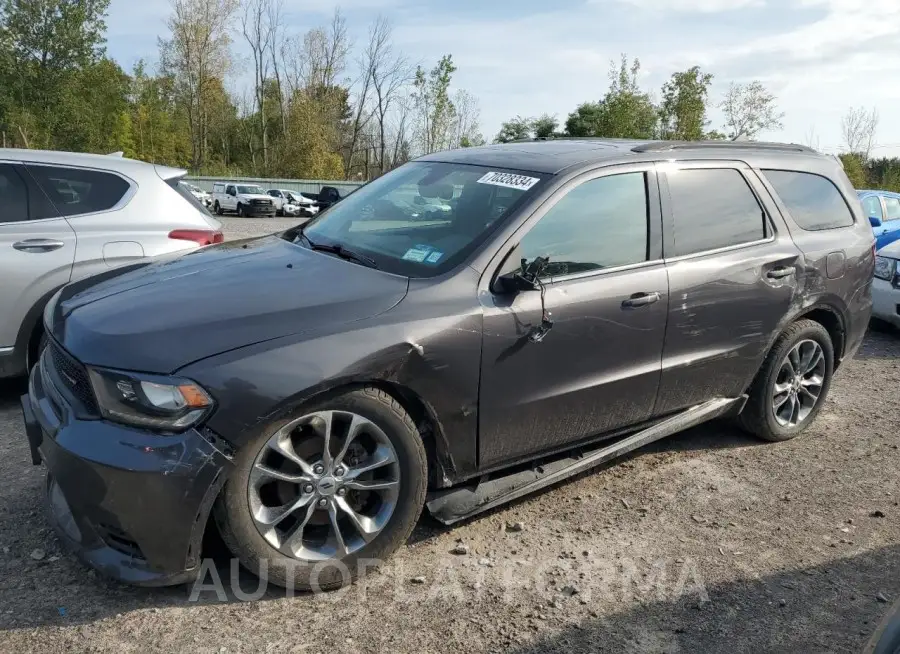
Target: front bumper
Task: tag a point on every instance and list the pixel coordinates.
(886, 301)
(131, 503)
(259, 209)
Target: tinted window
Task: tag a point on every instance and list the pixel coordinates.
(229, 190)
(75, 190)
(893, 208)
(598, 224)
(713, 208)
(13, 196)
(812, 200)
(872, 206)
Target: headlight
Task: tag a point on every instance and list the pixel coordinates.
(147, 401)
(885, 267)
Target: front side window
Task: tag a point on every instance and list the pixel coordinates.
(77, 191)
(893, 208)
(713, 208)
(424, 217)
(872, 206)
(812, 200)
(601, 223)
(229, 190)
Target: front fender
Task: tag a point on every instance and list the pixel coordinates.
(436, 359)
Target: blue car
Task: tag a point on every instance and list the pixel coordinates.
(883, 210)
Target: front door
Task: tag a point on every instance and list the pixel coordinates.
(37, 248)
(597, 369)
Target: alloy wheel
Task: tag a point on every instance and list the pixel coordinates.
(324, 485)
(799, 383)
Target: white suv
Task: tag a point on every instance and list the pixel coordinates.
(291, 203)
(66, 216)
(243, 199)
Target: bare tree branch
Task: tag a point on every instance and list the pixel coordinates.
(858, 127)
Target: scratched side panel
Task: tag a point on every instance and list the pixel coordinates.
(721, 317)
(429, 344)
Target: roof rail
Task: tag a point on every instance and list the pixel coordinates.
(665, 146)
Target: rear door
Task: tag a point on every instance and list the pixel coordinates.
(733, 273)
(597, 369)
(37, 248)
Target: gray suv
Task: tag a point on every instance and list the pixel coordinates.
(470, 327)
(65, 216)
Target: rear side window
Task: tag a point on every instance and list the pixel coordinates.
(713, 208)
(76, 190)
(893, 208)
(812, 200)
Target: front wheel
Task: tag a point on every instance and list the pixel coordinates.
(317, 496)
(240, 210)
(218, 209)
(792, 384)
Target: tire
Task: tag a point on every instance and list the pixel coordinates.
(240, 210)
(759, 414)
(238, 527)
(218, 209)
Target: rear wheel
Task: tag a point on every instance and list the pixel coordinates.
(792, 384)
(315, 494)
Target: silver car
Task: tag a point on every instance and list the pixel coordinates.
(65, 216)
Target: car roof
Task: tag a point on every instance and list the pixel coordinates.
(112, 161)
(553, 156)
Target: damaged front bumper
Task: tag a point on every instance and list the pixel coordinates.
(131, 503)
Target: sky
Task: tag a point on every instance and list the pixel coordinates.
(529, 57)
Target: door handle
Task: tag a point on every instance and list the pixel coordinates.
(780, 273)
(640, 300)
(38, 245)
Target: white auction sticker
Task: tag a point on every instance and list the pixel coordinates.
(508, 180)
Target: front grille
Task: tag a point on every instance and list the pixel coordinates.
(73, 375)
(265, 203)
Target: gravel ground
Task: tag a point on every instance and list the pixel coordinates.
(706, 542)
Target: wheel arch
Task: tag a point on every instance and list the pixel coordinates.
(833, 322)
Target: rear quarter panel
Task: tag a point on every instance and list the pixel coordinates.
(849, 294)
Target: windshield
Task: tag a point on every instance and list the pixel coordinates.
(250, 190)
(422, 218)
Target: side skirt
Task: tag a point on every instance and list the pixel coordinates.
(455, 504)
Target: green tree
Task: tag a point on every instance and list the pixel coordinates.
(544, 126)
(625, 111)
(514, 129)
(682, 113)
(46, 44)
(855, 169)
(434, 108)
(749, 109)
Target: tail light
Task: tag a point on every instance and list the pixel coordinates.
(198, 236)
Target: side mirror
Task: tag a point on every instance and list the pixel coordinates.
(525, 278)
(876, 222)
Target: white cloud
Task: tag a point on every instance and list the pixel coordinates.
(690, 6)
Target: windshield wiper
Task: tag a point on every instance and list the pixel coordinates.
(340, 250)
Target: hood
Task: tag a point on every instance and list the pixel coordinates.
(890, 250)
(254, 196)
(163, 316)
